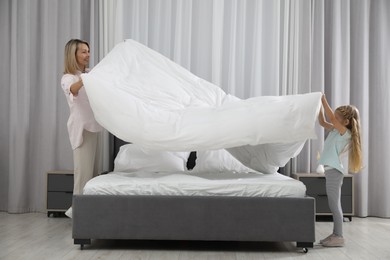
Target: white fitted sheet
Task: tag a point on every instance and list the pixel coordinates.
(199, 184)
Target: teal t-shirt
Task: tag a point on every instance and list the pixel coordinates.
(334, 146)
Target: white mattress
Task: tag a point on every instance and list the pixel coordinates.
(200, 184)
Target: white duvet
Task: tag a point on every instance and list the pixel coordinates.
(143, 97)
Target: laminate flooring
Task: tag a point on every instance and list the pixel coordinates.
(36, 236)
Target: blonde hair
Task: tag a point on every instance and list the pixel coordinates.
(70, 62)
(355, 151)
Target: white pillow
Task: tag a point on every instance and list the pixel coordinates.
(218, 161)
(132, 158)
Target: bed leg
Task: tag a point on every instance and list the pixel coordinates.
(82, 242)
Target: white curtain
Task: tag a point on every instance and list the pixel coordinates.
(249, 48)
(372, 95)
(252, 48)
(33, 108)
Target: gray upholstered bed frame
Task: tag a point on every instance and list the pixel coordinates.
(219, 218)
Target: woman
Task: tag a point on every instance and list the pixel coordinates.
(344, 127)
(82, 126)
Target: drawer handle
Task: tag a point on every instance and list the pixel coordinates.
(322, 195)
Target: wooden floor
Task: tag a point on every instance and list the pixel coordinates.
(35, 236)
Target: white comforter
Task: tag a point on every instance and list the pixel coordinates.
(143, 97)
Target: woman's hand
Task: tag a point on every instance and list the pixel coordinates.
(75, 87)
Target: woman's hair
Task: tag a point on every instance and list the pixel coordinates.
(355, 152)
(70, 62)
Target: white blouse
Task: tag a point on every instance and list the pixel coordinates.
(81, 116)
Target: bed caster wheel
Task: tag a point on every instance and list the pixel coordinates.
(82, 242)
(305, 250)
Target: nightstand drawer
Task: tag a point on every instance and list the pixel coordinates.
(314, 185)
(346, 189)
(322, 205)
(60, 182)
(59, 200)
(317, 186)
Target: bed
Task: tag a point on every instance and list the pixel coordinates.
(197, 217)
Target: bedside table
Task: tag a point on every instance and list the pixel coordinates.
(316, 188)
(59, 191)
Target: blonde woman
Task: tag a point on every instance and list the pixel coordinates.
(344, 135)
(82, 126)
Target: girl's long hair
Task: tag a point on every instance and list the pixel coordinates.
(70, 63)
(355, 150)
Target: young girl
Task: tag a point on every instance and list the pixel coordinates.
(344, 136)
